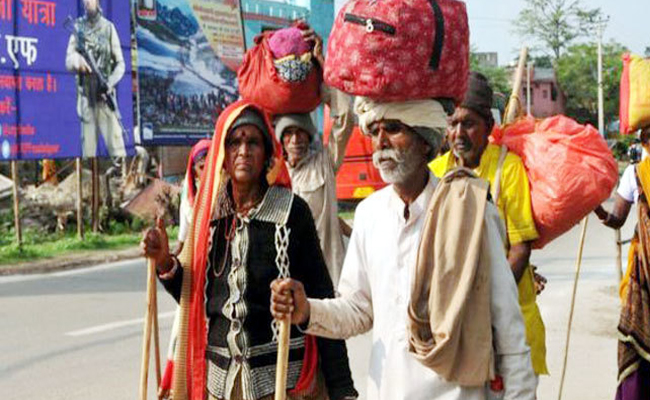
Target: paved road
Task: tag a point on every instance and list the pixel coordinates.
(77, 335)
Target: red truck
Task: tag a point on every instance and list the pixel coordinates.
(357, 178)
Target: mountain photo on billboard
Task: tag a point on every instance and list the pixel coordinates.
(183, 84)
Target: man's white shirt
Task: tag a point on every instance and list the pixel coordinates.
(375, 288)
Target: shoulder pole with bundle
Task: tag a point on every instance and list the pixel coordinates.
(513, 108)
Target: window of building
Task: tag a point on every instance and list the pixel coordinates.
(553, 92)
(545, 94)
(270, 11)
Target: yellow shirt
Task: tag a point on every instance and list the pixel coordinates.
(514, 198)
(515, 210)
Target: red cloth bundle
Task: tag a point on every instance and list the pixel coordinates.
(261, 83)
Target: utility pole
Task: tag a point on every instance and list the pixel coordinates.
(601, 23)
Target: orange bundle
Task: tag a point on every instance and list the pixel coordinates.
(570, 168)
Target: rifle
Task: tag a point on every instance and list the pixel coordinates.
(110, 97)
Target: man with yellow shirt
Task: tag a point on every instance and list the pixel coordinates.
(467, 133)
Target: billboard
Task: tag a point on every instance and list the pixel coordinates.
(45, 107)
(188, 52)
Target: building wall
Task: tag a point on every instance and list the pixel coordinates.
(547, 98)
(261, 15)
(488, 59)
(321, 18)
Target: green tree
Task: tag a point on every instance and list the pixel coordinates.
(556, 24)
(577, 73)
(543, 61)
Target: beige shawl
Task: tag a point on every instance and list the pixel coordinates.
(450, 328)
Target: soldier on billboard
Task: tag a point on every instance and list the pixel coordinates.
(94, 53)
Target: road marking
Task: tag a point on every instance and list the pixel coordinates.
(115, 325)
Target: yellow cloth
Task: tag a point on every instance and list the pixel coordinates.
(515, 210)
(514, 199)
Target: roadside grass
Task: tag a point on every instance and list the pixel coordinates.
(38, 245)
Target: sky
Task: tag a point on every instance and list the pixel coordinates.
(491, 21)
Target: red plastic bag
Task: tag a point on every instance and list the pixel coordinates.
(260, 83)
(570, 169)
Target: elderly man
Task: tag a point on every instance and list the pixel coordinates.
(313, 167)
(390, 254)
(467, 134)
(313, 170)
(100, 40)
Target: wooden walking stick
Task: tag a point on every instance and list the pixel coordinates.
(619, 256)
(581, 246)
(156, 336)
(282, 362)
(151, 320)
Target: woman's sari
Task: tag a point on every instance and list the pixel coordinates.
(634, 325)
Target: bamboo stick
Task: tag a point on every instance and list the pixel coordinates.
(513, 103)
(282, 360)
(619, 256)
(156, 336)
(148, 323)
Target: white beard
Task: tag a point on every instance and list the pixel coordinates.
(406, 161)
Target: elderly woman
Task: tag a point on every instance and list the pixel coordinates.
(248, 229)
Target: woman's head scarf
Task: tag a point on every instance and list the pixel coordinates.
(199, 150)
